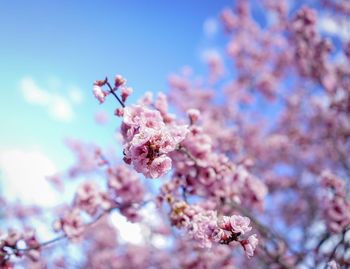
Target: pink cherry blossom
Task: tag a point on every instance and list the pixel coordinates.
(250, 245)
(88, 197)
(148, 140)
(160, 166)
(119, 81)
(193, 114)
(240, 224)
(125, 92)
(100, 94)
(71, 224)
(332, 265)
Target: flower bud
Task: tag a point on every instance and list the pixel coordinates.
(119, 81)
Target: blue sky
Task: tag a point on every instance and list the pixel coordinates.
(52, 51)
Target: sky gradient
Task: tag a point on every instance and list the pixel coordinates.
(52, 51)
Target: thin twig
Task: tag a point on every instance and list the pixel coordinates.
(111, 90)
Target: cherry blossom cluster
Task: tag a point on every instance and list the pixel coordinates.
(262, 63)
(124, 192)
(88, 157)
(337, 211)
(119, 83)
(206, 173)
(332, 265)
(90, 198)
(312, 50)
(149, 138)
(9, 246)
(206, 227)
(71, 224)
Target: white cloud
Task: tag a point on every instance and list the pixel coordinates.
(210, 27)
(129, 232)
(61, 108)
(57, 105)
(75, 95)
(23, 175)
(33, 93)
(331, 25)
(139, 233)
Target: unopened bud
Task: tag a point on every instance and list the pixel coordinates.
(126, 91)
(101, 83)
(119, 81)
(193, 114)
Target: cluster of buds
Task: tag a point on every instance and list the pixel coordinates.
(193, 115)
(235, 226)
(119, 83)
(9, 243)
(71, 224)
(91, 199)
(337, 206)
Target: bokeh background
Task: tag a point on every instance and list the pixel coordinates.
(52, 51)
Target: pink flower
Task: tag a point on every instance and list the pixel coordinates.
(12, 238)
(71, 224)
(240, 224)
(161, 103)
(207, 176)
(160, 166)
(224, 223)
(332, 265)
(119, 81)
(100, 94)
(148, 140)
(229, 20)
(101, 82)
(125, 92)
(125, 184)
(88, 197)
(119, 112)
(193, 114)
(141, 116)
(178, 133)
(250, 245)
(30, 239)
